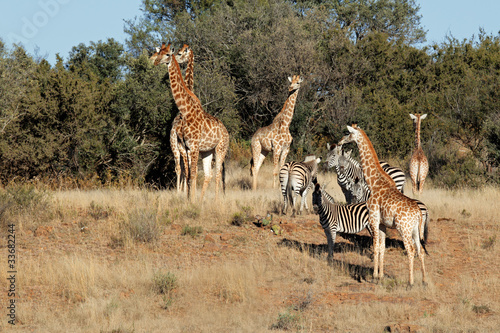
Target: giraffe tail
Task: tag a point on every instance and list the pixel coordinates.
(251, 167)
(424, 232)
(224, 177)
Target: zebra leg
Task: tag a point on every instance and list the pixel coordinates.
(303, 200)
(330, 237)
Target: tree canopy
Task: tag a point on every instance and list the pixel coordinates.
(105, 113)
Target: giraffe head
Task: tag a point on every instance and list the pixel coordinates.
(183, 54)
(295, 82)
(155, 55)
(334, 152)
(165, 54)
(416, 118)
(353, 136)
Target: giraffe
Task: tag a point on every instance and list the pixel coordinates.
(203, 134)
(419, 166)
(153, 57)
(275, 137)
(176, 136)
(387, 206)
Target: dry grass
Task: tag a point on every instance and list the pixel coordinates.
(92, 261)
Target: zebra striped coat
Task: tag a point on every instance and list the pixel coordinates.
(348, 170)
(351, 218)
(296, 179)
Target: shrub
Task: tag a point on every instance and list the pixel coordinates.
(140, 225)
(191, 231)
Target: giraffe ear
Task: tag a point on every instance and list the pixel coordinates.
(412, 116)
(290, 78)
(351, 129)
(423, 116)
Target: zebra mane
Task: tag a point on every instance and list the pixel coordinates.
(326, 195)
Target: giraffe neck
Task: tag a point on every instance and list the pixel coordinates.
(286, 114)
(417, 132)
(189, 77)
(176, 85)
(369, 161)
(186, 101)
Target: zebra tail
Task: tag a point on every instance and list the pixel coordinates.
(289, 192)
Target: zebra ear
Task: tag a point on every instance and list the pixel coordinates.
(327, 146)
(348, 153)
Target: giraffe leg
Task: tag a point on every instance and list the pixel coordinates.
(220, 155)
(193, 173)
(258, 157)
(184, 171)
(420, 253)
(257, 164)
(410, 250)
(284, 154)
(423, 174)
(277, 166)
(374, 221)
(382, 235)
(207, 170)
(178, 170)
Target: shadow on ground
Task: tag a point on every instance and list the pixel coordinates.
(359, 243)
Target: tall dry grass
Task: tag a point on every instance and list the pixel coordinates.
(91, 261)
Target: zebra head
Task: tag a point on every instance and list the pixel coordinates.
(357, 190)
(316, 197)
(343, 160)
(332, 158)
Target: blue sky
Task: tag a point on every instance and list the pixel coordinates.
(55, 26)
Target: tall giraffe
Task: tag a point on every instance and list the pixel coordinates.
(176, 135)
(202, 133)
(275, 137)
(387, 207)
(419, 166)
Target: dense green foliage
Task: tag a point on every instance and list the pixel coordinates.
(106, 112)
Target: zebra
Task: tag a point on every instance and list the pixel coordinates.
(335, 217)
(351, 218)
(348, 170)
(295, 179)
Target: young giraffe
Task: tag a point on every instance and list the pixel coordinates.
(419, 166)
(202, 133)
(275, 137)
(387, 206)
(176, 135)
